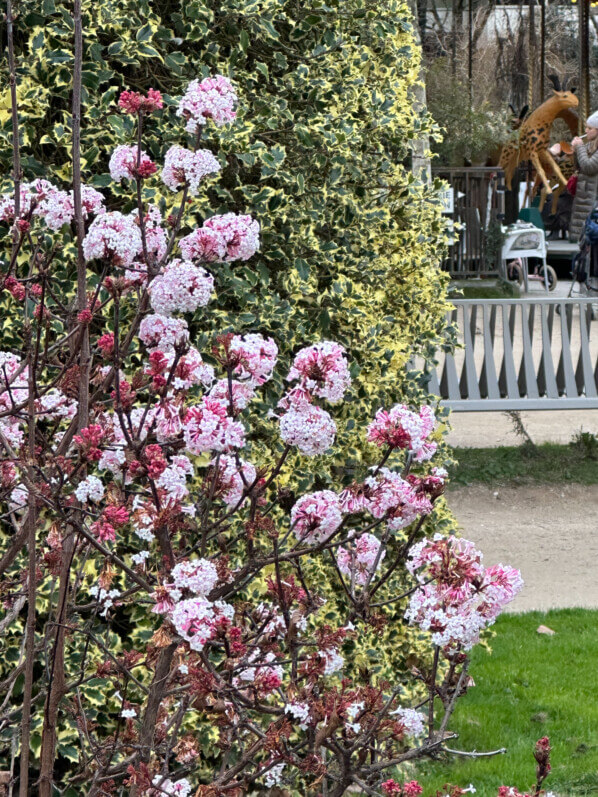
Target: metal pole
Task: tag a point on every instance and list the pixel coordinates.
(584, 62)
(454, 39)
(531, 68)
(470, 53)
(542, 47)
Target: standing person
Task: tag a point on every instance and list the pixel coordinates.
(586, 194)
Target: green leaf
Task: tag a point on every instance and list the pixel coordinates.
(117, 123)
(38, 41)
(95, 51)
(263, 69)
(145, 33)
(149, 51)
(59, 56)
(175, 62)
(302, 267)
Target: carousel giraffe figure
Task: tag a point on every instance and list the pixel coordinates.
(515, 123)
(534, 135)
(566, 160)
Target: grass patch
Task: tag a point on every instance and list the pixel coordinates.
(531, 685)
(483, 289)
(549, 463)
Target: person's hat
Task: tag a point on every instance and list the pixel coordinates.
(592, 121)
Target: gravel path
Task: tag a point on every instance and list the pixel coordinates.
(549, 532)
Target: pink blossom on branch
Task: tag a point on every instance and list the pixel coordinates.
(400, 427)
(197, 620)
(181, 288)
(357, 562)
(242, 393)
(311, 429)
(458, 596)
(253, 357)
(209, 427)
(204, 245)
(134, 102)
(322, 371)
(163, 331)
(387, 495)
(123, 164)
(232, 479)
(394, 789)
(92, 201)
(211, 98)
(184, 166)
(241, 235)
(112, 237)
(316, 516)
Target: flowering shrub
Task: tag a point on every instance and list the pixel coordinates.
(132, 472)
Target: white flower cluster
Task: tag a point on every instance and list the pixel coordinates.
(90, 489)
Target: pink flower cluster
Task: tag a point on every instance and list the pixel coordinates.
(123, 164)
(358, 562)
(388, 495)
(190, 578)
(197, 620)
(233, 478)
(322, 371)
(242, 393)
(173, 479)
(399, 427)
(155, 243)
(253, 357)
(241, 235)
(163, 331)
(209, 427)
(92, 202)
(134, 102)
(204, 245)
(310, 428)
(181, 288)
(178, 788)
(189, 371)
(316, 516)
(113, 236)
(222, 238)
(211, 98)
(56, 209)
(463, 597)
(54, 206)
(412, 721)
(199, 576)
(184, 166)
(394, 789)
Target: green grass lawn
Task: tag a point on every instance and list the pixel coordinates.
(531, 685)
(548, 463)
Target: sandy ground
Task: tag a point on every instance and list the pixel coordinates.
(550, 533)
(491, 429)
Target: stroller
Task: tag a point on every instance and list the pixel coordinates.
(584, 266)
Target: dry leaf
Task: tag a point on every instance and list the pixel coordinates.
(544, 629)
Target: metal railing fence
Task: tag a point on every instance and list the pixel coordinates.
(520, 354)
(478, 200)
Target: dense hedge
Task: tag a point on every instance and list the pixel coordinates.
(320, 156)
